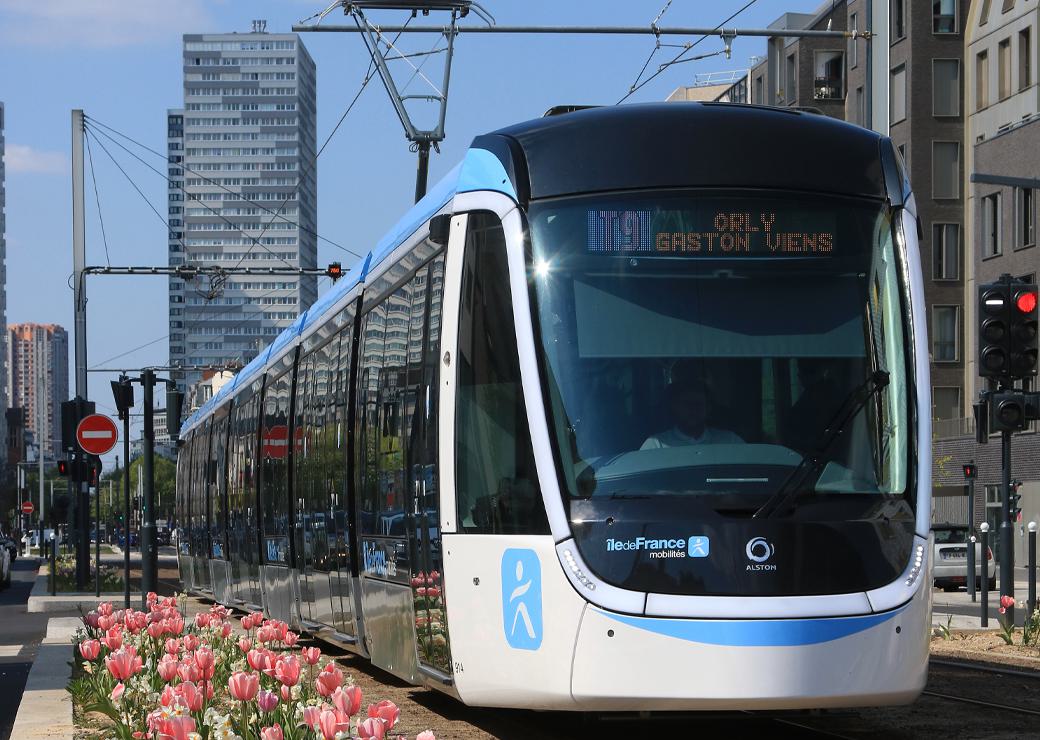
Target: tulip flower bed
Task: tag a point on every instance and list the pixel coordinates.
(111, 578)
(152, 674)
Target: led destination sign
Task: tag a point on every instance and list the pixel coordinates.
(711, 233)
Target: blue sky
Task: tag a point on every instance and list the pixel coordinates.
(121, 62)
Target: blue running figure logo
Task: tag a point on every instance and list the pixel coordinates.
(522, 598)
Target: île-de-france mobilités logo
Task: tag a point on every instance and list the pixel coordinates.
(522, 598)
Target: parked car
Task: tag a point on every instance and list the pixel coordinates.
(951, 559)
(5, 567)
(9, 545)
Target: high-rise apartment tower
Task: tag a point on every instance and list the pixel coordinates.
(242, 192)
(38, 357)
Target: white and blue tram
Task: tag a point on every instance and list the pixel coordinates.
(630, 412)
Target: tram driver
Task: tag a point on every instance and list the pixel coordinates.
(688, 404)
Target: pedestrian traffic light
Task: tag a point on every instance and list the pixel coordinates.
(970, 471)
(1007, 412)
(1023, 339)
(994, 325)
(92, 468)
(63, 468)
(1013, 498)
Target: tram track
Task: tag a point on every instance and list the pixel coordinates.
(981, 703)
(972, 666)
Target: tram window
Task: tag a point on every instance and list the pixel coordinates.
(372, 341)
(275, 498)
(495, 479)
(218, 546)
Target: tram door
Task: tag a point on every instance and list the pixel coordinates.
(423, 515)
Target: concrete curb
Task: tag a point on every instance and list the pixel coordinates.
(41, 601)
(46, 707)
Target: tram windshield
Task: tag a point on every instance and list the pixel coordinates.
(711, 345)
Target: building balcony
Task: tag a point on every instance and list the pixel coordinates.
(828, 88)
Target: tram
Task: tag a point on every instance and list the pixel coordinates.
(630, 412)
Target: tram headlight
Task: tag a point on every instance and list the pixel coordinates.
(915, 569)
(583, 579)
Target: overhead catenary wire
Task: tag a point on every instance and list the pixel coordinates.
(223, 187)
(686, 49)
(97, 198)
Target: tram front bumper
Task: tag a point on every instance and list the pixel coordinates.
(626, 663)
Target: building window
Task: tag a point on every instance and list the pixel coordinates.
(1025, 217)
(1004, 69)
(904, 153)
(898, 12)
(946, 87)
(991, 225)
(853, 50)
(946, 252)
(897, 93)
(1008, 5)
(860, 112)
(758, 92)
(829, 75)
(946, 168)
(944, 333)
(790, 81)
(944, 16)
(1025, 59)
(981, 80)
(946, 403)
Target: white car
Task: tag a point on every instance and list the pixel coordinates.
(951, 559)
(5, 567)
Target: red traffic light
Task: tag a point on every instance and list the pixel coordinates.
(969, 471)
(1026, 301)
(334, 271)
(63, 467)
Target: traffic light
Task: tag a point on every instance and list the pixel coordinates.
(1013, 498)
(970, 471)
(994, 327)
(92, 470)
(1007, 412)
(1007, 312)
(334, 271)
(63, 468)
(1023, 340)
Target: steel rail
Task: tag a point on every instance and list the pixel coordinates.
(982, 703)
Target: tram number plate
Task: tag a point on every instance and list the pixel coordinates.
(959, 554)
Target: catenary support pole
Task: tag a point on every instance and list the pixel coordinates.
(80, 323)
(126, 509)
(149, 561)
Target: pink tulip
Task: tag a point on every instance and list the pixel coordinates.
(123, 664)
(371, 729)
(274, 732)
(90, 649)
(225, 630)
(105, 609)
(417, 581)
(117, 692)
(385, 710)
(286, 692)
(426, 735)
(188, 671)
(243, 686)
(175, 728)
(151, 598)
(266, 634)
(202, 620)
(105, 622)
(175, 624)
(136, 622)
(167, 668)
(192, 696)
(1007, 601)
(332, 722)
(421, 591)
(91, 619)
(173, 646)
(205, 661)
(347, 700)
(256, 659)
(287, 670)
(191, 642)
(113, 638)
(328, 680)
(312, 717)
(155, 630)
(290, 639)
(168, 696)
(245, 644)
(311, 655)
(433, 592)
(267, 701)
(434, 577)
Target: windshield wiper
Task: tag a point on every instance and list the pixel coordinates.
(804, 476)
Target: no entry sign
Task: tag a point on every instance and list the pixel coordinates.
(96, 434)
(27, 507)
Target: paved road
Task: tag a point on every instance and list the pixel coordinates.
(20, 635)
